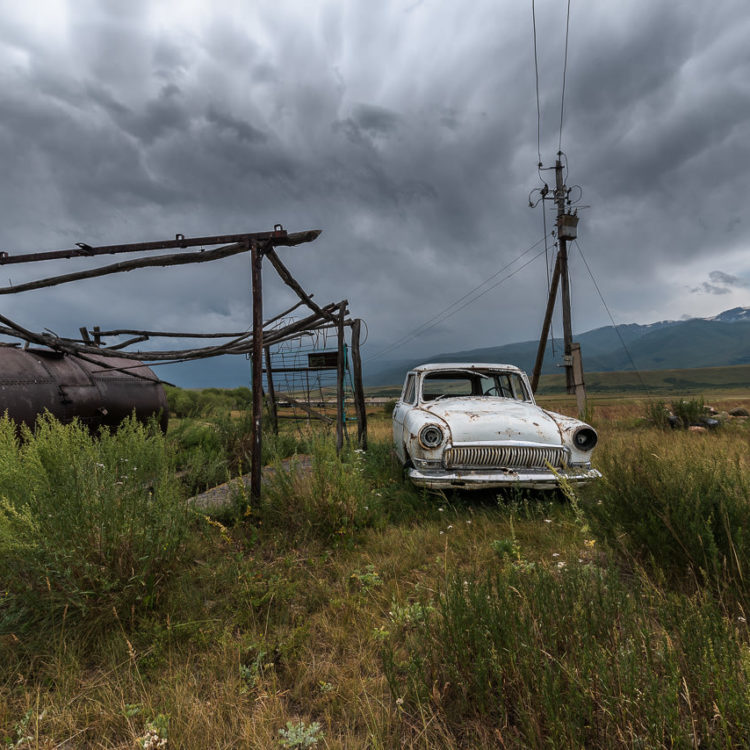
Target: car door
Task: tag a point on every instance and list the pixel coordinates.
(403, 405)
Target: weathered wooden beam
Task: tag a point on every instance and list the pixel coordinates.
(308, 409)
(279, 237)
(257, 432)
(359, 394)
(340, 427)
(271, 392)
(127, 265)
(292, 283)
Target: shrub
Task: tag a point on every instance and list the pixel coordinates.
(679, 507)
(207, 401)
(328, 500)
(87, 525)
(688, 411)
(572, 658)
(657, 414)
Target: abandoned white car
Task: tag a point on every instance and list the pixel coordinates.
(476, 426)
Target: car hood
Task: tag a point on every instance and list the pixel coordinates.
(491, 419)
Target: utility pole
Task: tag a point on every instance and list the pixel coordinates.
(567, 223)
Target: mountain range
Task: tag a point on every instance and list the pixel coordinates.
(717, 341)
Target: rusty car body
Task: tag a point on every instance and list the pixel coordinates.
(477, 426)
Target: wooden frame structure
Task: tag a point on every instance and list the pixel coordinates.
(253, 342)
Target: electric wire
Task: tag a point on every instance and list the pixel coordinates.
(536, 76)
(448, 312)
(418, 329)
(565, 71)
(614, 325)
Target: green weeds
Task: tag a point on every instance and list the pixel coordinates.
(678, 507)
(89, 527)
(573, 658)
(361, 612)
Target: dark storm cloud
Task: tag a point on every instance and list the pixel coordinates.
(406, 131)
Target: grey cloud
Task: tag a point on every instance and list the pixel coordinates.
(408, 137)
(707, 288)
(242, 130)
(720, 283)
(719, 277)
(377, 120)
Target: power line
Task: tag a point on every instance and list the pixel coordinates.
(565, 71)
(614, 325)
(455, 307)
(536, 75)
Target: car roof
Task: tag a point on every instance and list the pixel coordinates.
(435, 366)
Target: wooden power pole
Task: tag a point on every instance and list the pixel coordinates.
(567, 223)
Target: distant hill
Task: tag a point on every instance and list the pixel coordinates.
(718, 341)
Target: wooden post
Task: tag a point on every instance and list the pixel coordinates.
(271, 392)
(578, 383)
(359, 393)
(545, 326)
(257, 382)
(340, 380)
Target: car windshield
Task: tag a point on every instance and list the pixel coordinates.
(456, 383)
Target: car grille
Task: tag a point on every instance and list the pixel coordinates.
(503, 457)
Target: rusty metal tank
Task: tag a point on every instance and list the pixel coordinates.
(101, 392)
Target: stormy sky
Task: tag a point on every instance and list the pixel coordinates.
(406, 130)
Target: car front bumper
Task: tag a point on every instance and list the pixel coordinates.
(536, 479)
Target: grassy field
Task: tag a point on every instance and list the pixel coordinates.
(348, 610)
(646, 384)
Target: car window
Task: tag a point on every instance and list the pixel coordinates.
(409, 390)
(505, 385)
(449, 384)
(519, 391)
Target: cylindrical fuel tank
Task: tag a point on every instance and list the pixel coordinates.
(102, 392)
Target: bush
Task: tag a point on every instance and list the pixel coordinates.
(88, 526)
(677, 506)
(688, 411)
(572, 658)
(328, 501)
(657, 414)
(207, 401)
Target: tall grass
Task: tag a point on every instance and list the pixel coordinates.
(572, 658)
(326, 499)
(211, 452)
(679, 506)
(89, 527)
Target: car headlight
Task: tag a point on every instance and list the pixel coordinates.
(430, 436)
(585, 438)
